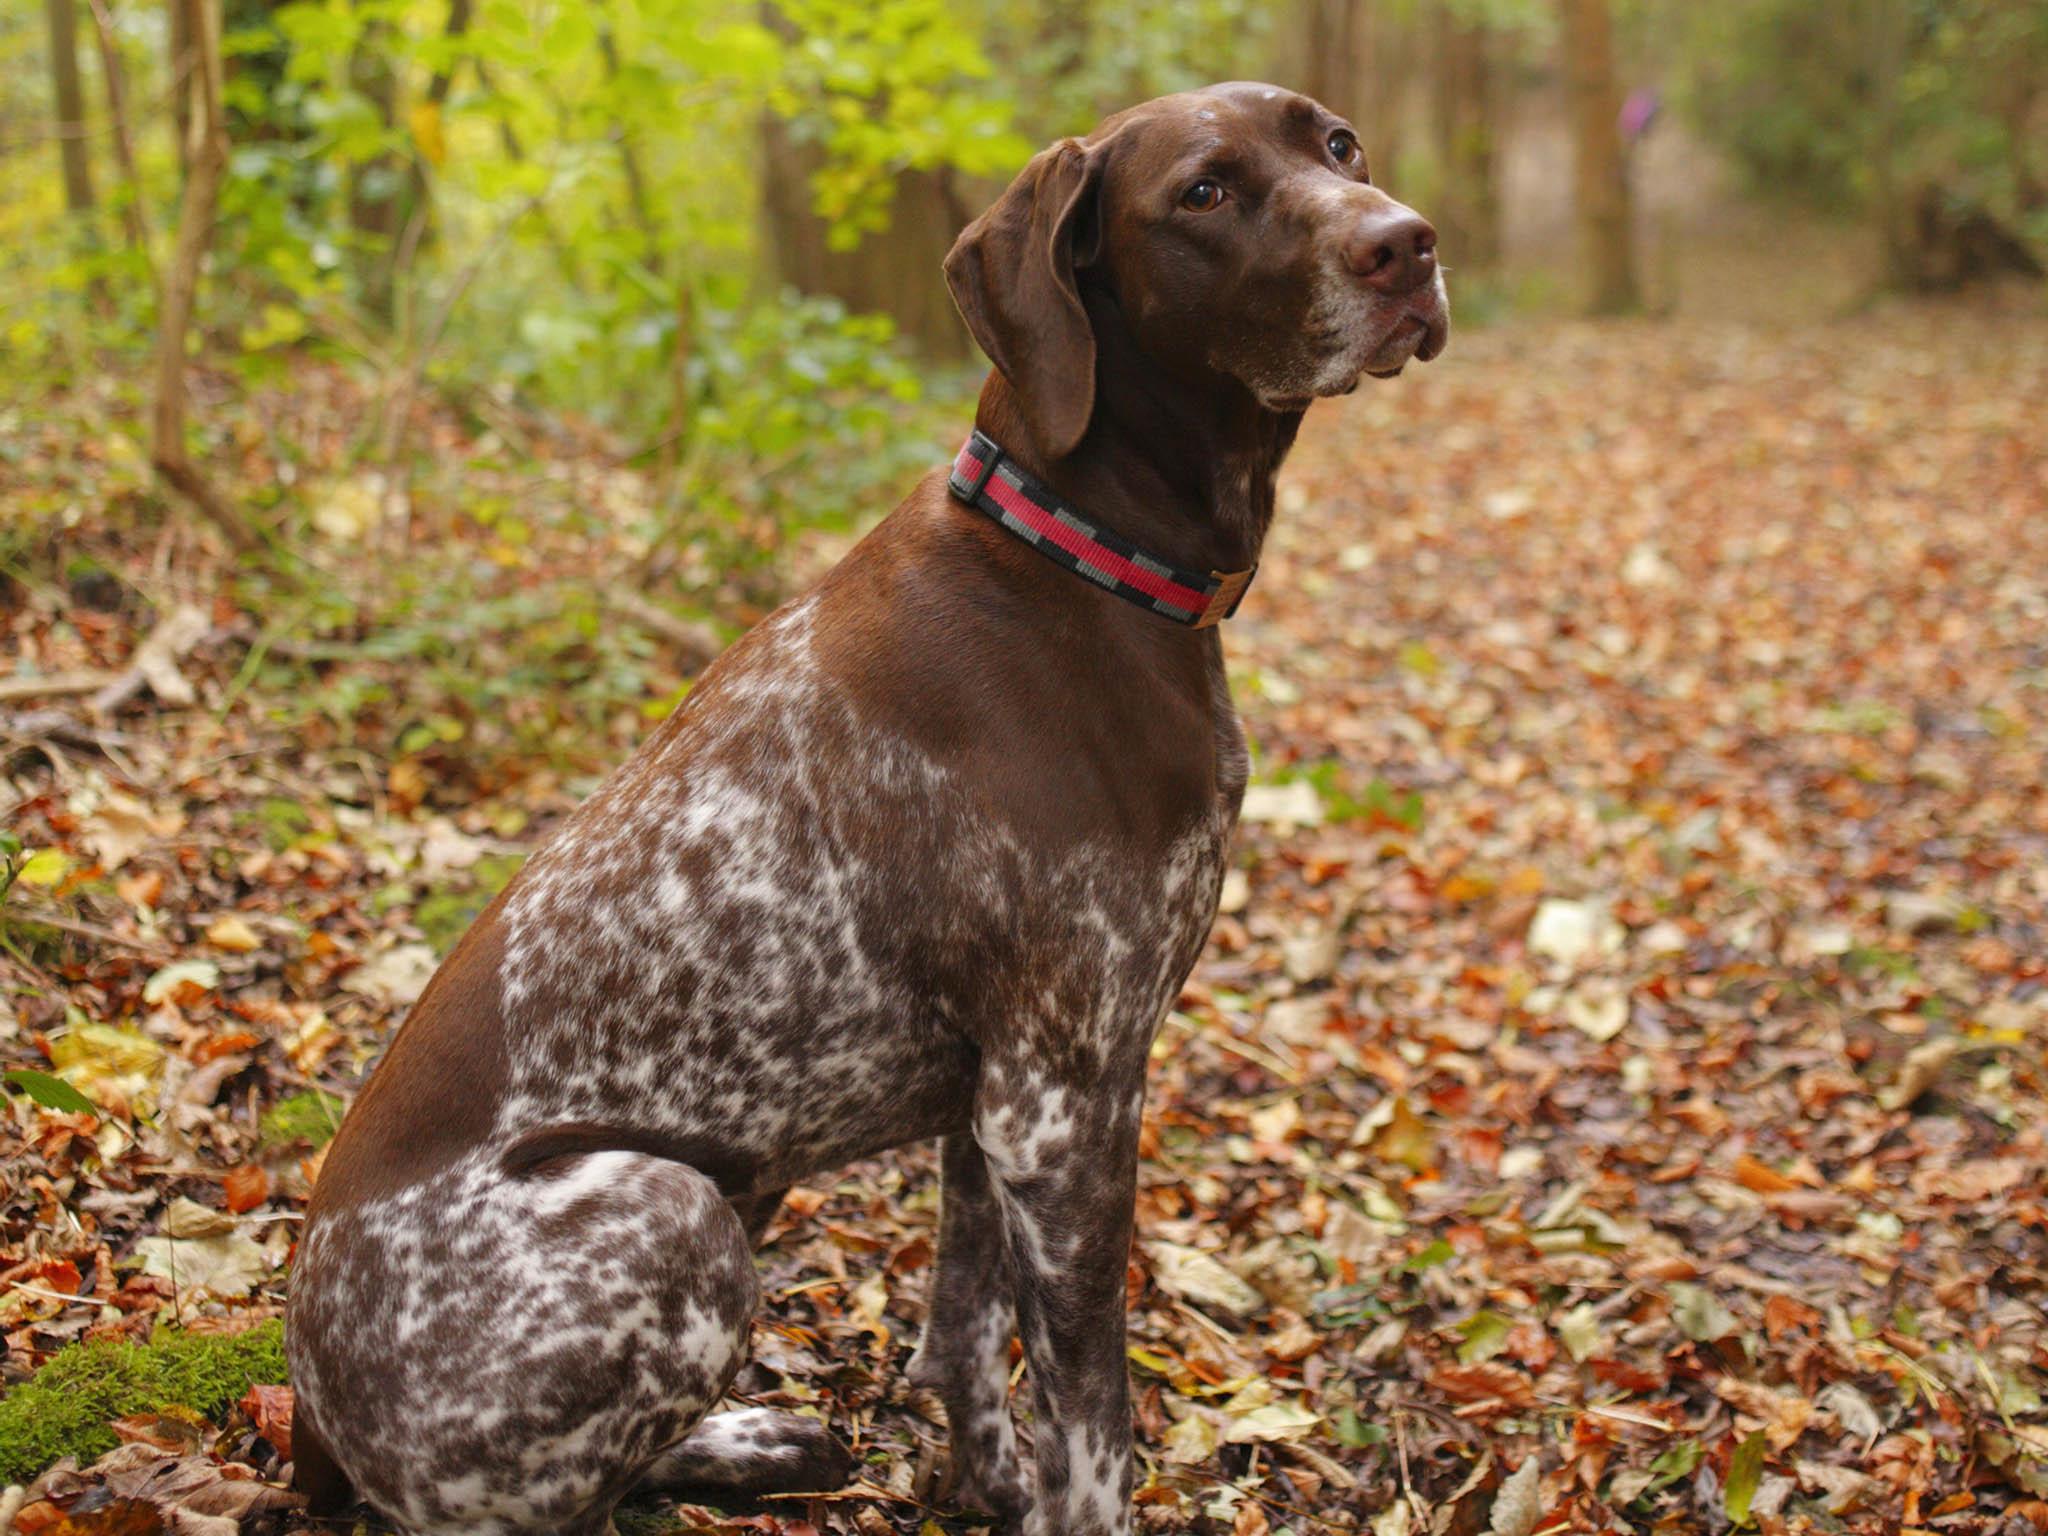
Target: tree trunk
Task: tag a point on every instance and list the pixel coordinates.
(1600, 176)
(1466, 208)
(374, 204)
(1331, 66)
(206, 169)
(894, 271)
(181, 95)
(629, 162)
(419, 228)
(1354, 58)
(70, 94)
(124, 139)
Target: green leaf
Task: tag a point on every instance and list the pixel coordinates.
(1675, 1464)
(1745, 1471)
(311, 1117)
(51, 1092)
(1353, 1431)
(1438, 1252)
(45, 867)
(1699, 1313)
(1485, 1335)
(1579, 1331)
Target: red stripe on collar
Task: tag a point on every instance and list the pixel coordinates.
(989, 480)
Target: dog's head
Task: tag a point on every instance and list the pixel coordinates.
(1236, 231)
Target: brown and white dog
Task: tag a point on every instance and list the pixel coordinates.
(928, 853)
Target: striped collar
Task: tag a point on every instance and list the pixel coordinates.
(991, 481)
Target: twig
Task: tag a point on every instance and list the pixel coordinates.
(1272, 1503)
(1619, 1415)
(53, 685)
(72, 925)
(155, 662)
(860, 1488)
(36, 1290)
(699, 642)
(398, 404)
(1401, 1449)
(39, 727)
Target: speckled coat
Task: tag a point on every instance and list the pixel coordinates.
(928, 853)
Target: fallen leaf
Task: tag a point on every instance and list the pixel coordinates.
(233, 933)
(398, 975)
(1519, 1503)
(270, 1410)
(203, 1250)
(182, 981)
(1699, 1314)
(1744, 1472)
(245, 1188)
(1288, 1419)
(1573, 933)
(1200, 1278)
(1191, 1440)
(1294, 804)
(1921, 1069)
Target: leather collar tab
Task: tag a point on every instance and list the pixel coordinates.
(990, 481)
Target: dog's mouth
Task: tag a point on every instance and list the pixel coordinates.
(1419, 332)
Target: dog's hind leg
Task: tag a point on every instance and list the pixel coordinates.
(752, 1450)
(491, 1353)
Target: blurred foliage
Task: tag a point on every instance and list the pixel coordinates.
(542, 211)
(1930, 116)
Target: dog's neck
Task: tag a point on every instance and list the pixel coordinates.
(1183, 467)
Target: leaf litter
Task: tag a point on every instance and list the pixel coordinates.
(1612, 1098)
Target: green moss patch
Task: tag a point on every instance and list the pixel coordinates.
(311, 1117)
(63, 1409)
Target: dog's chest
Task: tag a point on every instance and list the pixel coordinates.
(785, 929)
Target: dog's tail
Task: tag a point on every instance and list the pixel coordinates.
(314, 1473)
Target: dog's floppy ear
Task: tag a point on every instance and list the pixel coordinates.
(1012, 275)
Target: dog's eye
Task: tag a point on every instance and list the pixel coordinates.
(1205, 196)
(1343, 148)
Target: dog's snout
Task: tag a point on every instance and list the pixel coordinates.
(1393, 249)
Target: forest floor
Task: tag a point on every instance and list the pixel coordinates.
(1615, 1096)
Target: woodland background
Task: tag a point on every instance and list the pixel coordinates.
(1613, 1097)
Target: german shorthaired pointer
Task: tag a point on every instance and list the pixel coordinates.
(928, 853)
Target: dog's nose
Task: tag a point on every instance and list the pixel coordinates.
(1393, 248)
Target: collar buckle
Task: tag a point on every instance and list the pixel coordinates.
(1231, 587)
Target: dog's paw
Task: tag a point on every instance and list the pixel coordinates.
(753, 1450)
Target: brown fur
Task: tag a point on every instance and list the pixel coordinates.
(929, 853)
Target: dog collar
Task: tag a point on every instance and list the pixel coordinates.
(990, 481)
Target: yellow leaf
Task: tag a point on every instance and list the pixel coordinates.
(111, 1066)
(425, 121)
(45, 867)
(233, 934)
(1193, 1439)
(175, 977)
(1406, 1138)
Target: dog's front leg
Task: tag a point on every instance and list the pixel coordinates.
(964, 1355)
(1064, 1157)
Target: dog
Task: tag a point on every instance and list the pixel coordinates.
(928, 853)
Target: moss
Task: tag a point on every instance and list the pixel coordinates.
(311, 1117)
(63, 1409)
